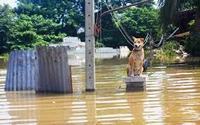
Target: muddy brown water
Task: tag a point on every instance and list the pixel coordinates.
(172, 97)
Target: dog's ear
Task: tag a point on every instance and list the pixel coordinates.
(134, 38)
(142, 39)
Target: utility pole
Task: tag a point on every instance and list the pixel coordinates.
(90, 45)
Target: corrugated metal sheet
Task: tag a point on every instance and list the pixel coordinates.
(22, 71)
(54, 71)
(44, 70)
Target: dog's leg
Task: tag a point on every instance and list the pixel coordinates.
(136, 68)
(141, 71)
(137, 72)
(141, 68)
(129, 70)
(133, 71)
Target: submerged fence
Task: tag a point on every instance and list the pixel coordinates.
(45, 69)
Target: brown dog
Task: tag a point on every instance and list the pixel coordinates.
(136, 58)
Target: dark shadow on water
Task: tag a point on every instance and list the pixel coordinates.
(135, 89)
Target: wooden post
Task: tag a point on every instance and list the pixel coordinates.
(90, 45)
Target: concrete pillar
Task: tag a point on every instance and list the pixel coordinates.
(90, 45)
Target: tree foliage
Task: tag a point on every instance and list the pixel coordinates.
(186, 15)
(23, 31)
(118, 3)
(136, 21)
(40, 22)
(30, 31)
(68, 13)
(6, 25)
(140, 21)
(172, 9)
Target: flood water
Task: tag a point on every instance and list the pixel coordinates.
(172, 96)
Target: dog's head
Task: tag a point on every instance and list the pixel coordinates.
(138, 43)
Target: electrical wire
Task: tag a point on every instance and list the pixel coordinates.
(121, 29)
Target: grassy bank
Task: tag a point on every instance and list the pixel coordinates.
(4, 57)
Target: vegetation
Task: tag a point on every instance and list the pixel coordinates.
(23, 31)
(167, 53)
(4, 57)
(35, 22)
(136, 21)
(34, 30)
(69, 14)
(6, 24)
(184, 14)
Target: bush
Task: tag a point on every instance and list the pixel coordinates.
(192, 44)
(4, 57)
(31, 31)
(167, 53)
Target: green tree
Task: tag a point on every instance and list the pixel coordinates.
(125, 2)
(36, 22)
(180, 13)
(184, 14)
(23, 31)
(136, 21)
(6, 23)
(68, 13)
(30, 31)
(140, 21)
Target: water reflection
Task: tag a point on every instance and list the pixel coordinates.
(172, 96)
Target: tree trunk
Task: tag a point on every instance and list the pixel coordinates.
(197, 22)
(173, 9)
